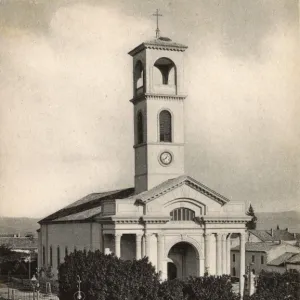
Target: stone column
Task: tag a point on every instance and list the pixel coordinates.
(138, 246)
(224, 254)
(147, 245)
(118, 244)
(228, 248)
(242, 263)
(219, 254)
(160, 252)
(208, 249)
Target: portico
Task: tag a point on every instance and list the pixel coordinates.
(184, 236)
(205, 261)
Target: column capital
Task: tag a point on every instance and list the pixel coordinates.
(224, 237)
(118, 235)
(208, 234)
(160, 236)
(242, 236)
(219, 236)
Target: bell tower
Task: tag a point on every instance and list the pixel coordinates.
(158, 101)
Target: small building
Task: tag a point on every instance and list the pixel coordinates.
(263, 256)
(20, 244)
(293, 263)
(279, 263)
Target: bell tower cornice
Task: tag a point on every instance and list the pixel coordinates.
(150, 96)
(161, 43)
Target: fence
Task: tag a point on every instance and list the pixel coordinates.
(46, 286)
(13, 294)
(22, 289)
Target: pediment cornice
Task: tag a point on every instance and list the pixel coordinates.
(119, 219)
(223, 219)
(172, 184)
(156, 219)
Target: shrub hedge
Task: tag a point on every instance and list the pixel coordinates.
(276, 286)
(106, 277)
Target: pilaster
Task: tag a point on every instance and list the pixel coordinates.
(208, 249)
(138, 244)
(224, 254)
(118, 245)
(160, 251)
(228, 245)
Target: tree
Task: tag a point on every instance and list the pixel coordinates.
(276, 286)
(5, 250)
(252, 223)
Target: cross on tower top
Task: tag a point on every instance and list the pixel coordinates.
(157, 15)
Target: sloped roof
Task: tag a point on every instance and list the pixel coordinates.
(83, 207)
(295, 259)
(80, 216)
(89, 206)
(277, 235)
(19, 242)
(256, 247)
(159, 43)
(280, 260)
(171, 184)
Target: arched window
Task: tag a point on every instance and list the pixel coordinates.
(51, 256)
(58, 256)
(140, 128)
(66, 251)
(165, 126)
(44, 255)
(182, 214)
(167, 71)
(139, 77)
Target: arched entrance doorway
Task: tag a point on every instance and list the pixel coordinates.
(185, 261)
(172, 271)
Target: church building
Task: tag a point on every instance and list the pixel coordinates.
(183, 226)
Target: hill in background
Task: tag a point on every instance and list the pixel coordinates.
(285, 219)
(266, 220)
(18, 225)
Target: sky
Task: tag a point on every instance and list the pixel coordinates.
(66, 124)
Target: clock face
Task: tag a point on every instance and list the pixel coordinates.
(166, 158)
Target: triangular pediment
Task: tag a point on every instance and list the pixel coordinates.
(183, 184)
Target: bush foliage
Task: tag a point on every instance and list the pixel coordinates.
(106, 277)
